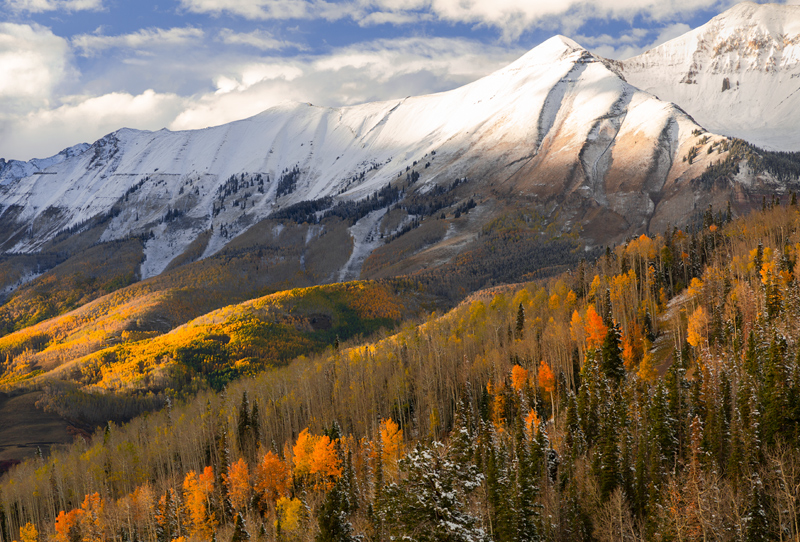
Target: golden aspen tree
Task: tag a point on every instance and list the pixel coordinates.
(392, 442)
(301, 451)
(290, 514)
(238, 481)
(28, 533)
(697, 328)
(196, 492)
(325, 462)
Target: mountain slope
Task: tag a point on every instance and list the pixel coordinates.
(556, 127)
(737, 75)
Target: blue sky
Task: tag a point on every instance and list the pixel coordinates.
(74, 70)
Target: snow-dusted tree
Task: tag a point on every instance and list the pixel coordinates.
(428, 503)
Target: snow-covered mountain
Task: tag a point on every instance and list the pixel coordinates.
(558, 131)
(737, 75)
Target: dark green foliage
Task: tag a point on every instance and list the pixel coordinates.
(519, 329)
(332, 517)
(756, 522)
(240, 533)
(429, 502)
(613, 366)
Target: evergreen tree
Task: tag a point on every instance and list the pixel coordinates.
(332, 517)
(613, 365)
(240, 533)
(255, 426)
(243, 430)
(756, 523)
(428, 503)
(519, 330)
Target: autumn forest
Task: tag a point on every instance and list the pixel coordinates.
(650, 394)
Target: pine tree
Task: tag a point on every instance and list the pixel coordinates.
(224, 455)
(519, 330)
(526, 490)
(332, 517)
(613, 365)
(240, 533)
(756, 523)
(255, 426)
(428, 503)
(243, 430)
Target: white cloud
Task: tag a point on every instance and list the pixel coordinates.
(511, 17)
(258, 39)
(627, 46)
(33, 62)
(92, 44)
(40, 6)
(264, 9)
(44, 132)
(360, 73)
(237, 85)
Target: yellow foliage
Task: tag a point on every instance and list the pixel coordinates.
(695, 287)
(28, 533)
(392, 445)
(576, 327)
(698, 327)
(594, 287)
(647, 368)
(290, 513)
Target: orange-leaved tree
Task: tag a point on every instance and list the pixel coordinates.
(519, 377)
(271, 478)
(196, 492)
(68, 526)
(92, 519)
(596, 330)
(316, 456)
(237, 479)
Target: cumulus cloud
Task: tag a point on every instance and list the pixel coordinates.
(33, 62)
(40, 6)
(44, 132)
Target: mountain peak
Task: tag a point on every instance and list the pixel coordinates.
(745, 61)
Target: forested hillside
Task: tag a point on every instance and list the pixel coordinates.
(653, 394)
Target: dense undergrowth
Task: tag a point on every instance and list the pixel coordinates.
(654, 394)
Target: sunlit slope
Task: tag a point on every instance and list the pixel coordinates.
(100, 345)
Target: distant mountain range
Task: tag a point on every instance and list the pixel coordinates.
(598, 150)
